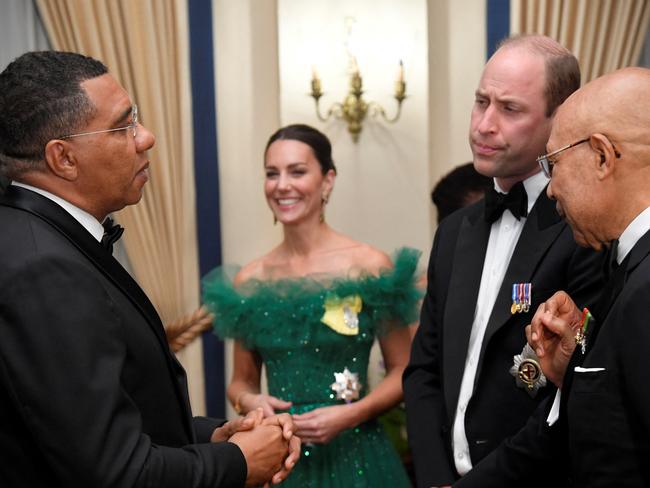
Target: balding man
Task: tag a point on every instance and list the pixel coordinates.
(598, 156)
(463, 389)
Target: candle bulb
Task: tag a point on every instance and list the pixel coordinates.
(315, 83)
(355, 66)
(400, 71)
(400, 85)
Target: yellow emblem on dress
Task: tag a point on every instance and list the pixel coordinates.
(342, 314)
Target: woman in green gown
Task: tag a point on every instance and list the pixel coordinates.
(309, 310)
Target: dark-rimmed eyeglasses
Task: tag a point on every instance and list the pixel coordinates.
(133, 126)
(546, 163)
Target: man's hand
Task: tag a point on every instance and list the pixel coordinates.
(271, 449)
(285, 421)
(240, 424)
(551, 334)
(265, 449)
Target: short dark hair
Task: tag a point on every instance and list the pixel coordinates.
(41, 99)
(315, 139)
(456, 188)
(562, 68)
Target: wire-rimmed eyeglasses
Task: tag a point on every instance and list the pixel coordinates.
(546, 163)
(133, 126)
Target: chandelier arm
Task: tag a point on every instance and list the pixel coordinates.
(375, 110)
(378, 110)
(318, 114)
(336, 110)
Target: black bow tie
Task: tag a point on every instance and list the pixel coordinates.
(112, 233)
(515, 200)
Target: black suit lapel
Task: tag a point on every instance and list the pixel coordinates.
(466, 271)
(82, 240)
(616, 283)
(75, 233)
(541, 229)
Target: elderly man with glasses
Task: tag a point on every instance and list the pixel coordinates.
(90, 394)
(596, 429)
(469, 384)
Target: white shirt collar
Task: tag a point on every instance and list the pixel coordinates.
(632, 233)
(534, 185)
(90, 223)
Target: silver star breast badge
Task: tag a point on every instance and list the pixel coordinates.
(346, 386)
(527, 371)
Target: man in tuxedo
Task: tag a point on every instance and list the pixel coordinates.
(462, 388)
(599, 159)
(90, 394)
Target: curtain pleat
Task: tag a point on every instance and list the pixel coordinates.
(145, 44)
(605, 35)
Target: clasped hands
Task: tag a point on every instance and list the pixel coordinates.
(269, 445)
(552, 333)
(318, 426)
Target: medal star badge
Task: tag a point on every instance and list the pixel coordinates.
(581, 335)
(342, 314)
(346, 386)
(527, 371)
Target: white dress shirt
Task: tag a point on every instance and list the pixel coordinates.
(504, 235)
(90, 223)
(634, 231)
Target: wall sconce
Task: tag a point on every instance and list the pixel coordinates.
(354, 108)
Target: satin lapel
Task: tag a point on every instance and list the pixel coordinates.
(74, 232)
(639, 252)
(460, 306)
(541, 229)
(613, 289)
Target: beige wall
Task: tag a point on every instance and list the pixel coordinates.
(457, 49)
(381, 193)
(247, 107)
(247, 113)
(264, 51)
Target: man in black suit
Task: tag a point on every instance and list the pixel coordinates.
(90, 394)
(599, 420)
(462, 390)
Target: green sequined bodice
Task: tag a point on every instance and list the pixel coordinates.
(282, 321)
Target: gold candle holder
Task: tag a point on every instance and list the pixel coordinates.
(354, 109)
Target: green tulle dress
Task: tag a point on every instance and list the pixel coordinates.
(282, 320)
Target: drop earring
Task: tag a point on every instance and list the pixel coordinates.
(323, 200)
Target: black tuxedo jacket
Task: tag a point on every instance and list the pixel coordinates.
(602, 438)
(606, 407)
(546, 256)
(90, 394)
